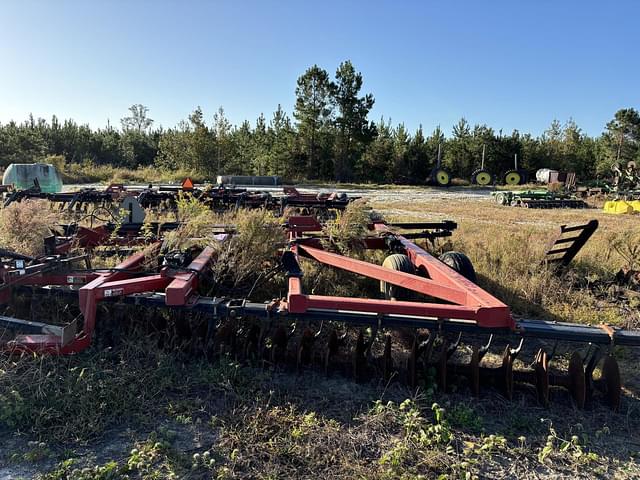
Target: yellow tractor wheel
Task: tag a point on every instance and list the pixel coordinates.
(440, 177)
(512, 177)
(481, 177)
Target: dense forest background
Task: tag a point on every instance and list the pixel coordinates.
(329, 137)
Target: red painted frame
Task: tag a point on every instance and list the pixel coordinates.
(179, 287)
(464, 299)
(460, 299)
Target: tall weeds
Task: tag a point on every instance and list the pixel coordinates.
(24, 225)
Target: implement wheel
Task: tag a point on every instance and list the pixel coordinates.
(440, 177)
(501, 198)
(481, 177)
(400, 263)
(460, 263)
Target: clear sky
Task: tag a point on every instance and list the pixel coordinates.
(510, 64)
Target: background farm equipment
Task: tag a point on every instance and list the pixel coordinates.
(413, 324)
(515, 176)
(623, 206)
(481, 176)
(23, 175)
(219, 198)
(624, 194)
(439, 176)
(538, 199)
(556, 179)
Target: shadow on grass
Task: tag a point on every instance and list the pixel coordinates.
(518, 303)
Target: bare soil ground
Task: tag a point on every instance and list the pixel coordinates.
(139, 412)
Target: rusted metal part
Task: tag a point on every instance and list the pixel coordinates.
(610, 382)
(387, 359)
(542, 377)
(279, 342)
(305, 348)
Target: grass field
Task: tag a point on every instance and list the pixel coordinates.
(133, 410)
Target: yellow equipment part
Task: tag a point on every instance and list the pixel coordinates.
(442, 178)
(483, 178)
(513, 178)
(621, 207)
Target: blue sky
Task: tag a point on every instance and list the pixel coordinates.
(510, 64)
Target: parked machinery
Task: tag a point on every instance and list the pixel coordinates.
(413, 327)
(481, 176)
(537, 199)
(624, 195)
(165, 197)
(439, 175)
(515, 176)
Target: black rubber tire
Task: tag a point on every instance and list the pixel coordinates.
(460, 263)
(400, 263)
(440, 177)
(482, 177)
(524, 176)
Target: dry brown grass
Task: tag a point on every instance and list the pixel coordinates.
(350, 225)
(507, 245)
(251, 253)
(248, 253)
(24, 225)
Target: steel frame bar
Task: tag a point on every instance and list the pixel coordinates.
(184, 284)
(466, 300)
(401, 279)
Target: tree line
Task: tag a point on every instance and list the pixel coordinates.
(328, 137)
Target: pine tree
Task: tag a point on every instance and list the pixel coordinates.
(313, 113)
(353, 128)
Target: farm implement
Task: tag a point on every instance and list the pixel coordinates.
(410, 326)
(623, 202)
(538, 199)
(217, 197)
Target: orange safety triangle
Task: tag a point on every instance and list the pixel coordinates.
(187, 184)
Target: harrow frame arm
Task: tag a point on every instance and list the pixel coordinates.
(463, 299)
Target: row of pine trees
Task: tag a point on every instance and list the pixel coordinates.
(329, 136)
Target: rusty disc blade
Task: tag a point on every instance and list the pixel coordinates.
(387, 361)
(507, 373)
(577, 384)
(304, 349)
(278, 345)
(542, 377)
(474, 365)
(611, 379)
(358, 356)
(331, 350)
(412, 360)
(251, 342)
